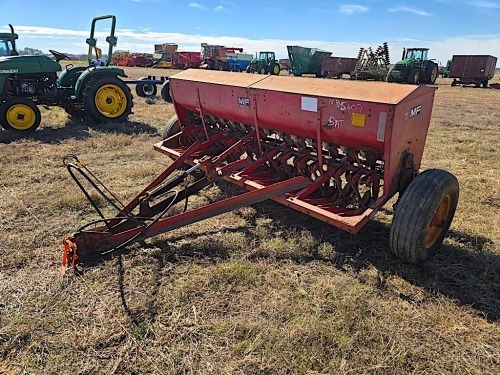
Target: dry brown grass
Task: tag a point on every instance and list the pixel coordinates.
(259, 290)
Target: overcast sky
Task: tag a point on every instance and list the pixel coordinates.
(445, 27)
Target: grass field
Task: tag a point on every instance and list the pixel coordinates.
(262, 290)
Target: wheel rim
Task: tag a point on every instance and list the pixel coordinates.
(21, 116)
(434, 74)
(438, 221)
(111, 101)
(148, 90)
(263, 71)
(276, 69)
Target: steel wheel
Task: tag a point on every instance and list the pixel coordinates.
(110, 100)
(276, 69)
(438, 221)
(262, 70)
(107, 99)
(20, 114)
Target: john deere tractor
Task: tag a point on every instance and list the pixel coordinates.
(414, 68)
(29, 81)
(265, 64)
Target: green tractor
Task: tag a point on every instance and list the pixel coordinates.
(265, 64)
(29, 81)
(414, 68)
(445, 70)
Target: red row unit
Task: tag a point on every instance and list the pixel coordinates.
(336, 66)
(472, 69)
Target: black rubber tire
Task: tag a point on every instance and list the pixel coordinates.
(414, 76)
(431, 72)
(485, 83)
(433, 194)
(275, 71)
(145, 90)
(165, 92)
(453, 83)
(115, 86)
(248, 70)
(172, 127)
(25, 123)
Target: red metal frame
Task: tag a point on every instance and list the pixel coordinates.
(334, 150)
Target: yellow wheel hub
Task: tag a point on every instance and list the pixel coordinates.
(110, 101)
(438, 221)
(276, 69)
(21, 116)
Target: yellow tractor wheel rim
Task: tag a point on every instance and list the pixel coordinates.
(21, 116)
(438, 221)
(276, 69)
(111, 101)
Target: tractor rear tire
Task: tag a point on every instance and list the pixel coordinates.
(20, 114)
(431, 73)
(414, 76)
(423, 215)
(145, 90)
(165, 92)
(107, 99)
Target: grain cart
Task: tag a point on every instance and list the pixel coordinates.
(305, 60)
(474, 70)
(414, 68)
(266, 63)
(336, 150)
(28, 81)
(337, 66)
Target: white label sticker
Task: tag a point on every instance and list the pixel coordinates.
(309, 104)
(382, 119)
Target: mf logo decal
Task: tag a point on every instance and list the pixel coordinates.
(9, 71)
(415, 111)
(244, 101)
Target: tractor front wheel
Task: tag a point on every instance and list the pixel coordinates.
(263, 70)
(423, 215)
(431, 73)
(19, 114)
(414, 76)
(107, 99)
(276, 69)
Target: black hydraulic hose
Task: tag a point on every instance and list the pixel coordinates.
(71, 166)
